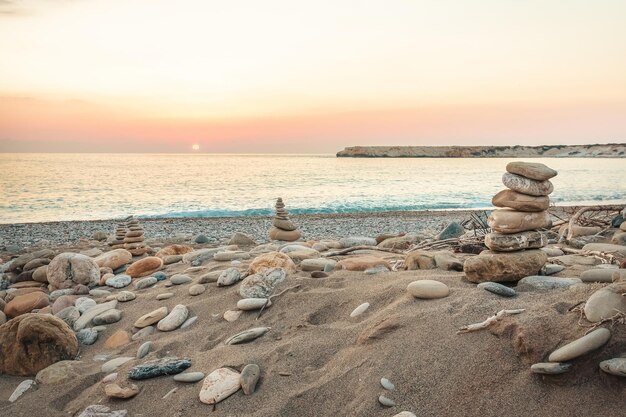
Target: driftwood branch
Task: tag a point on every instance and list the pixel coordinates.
(363, 247)
(490, 320)
(576, 216)
(274, 296)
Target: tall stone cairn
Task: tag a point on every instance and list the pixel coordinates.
(282, 227)
(133, 241)
(516, 238)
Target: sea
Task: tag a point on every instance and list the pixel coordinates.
(56, 187)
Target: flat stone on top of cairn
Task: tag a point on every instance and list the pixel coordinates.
(282, 227)
(516, 226)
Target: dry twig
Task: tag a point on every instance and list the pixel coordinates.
(490, 320)
(355, 248)
(274, 296)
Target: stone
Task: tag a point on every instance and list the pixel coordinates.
(26, 303)
(399, 242)
(18, 263)
(551, 269)
(615, 366)
(108, 317)
(92, 252)
(60, 372)
(32, 342)
(606, 302)
(87, 337)
(247, 335)
(249, 377)
(21, 389)
(81, 289)
(230, 255)
(115, 363)
(606, 248)
(201, 239)
(498, 289)
(3, 317)
(158, 367)
(348, 242)
(36, 263)
(146, 331)
(446, 261)
(94, 311)
(197, 257)
(618, 238)
(527, 186)
(160, 275)
(68, 269)
(499, 242)
(69, 315)
(228, 277)
(99, 236)
(115, 391)
(98, 410)
(581, 346)
(533, 170)
(173, 250)
(387, 402)
(151, 318)
(571, 260)
(125, 296)
(114, 259)
(284, 235)
(262, 285)
(597, 275)
(232, 315)
(509, 221)
(543, 283)
(189, 377)
(550, 368)
(188, 322)
(272, 260)
(420, 260)
(219, 385)
(144, 349)
(109, 378)
(144, 267)
(119, 281)
(196, 289)
(248, 304)
(84, 303)
(428, 289)
(360, 310)
(386, 384)
(241, 239)
(174, 319)
(180, 279)
(619, 275)
(452, 230)
(361, 263)
(165, 296)
(578, 231)
(41, 274)
(376, 270)
(145, 283)
(405, 414)
(317, 264)
(503, 267)
(117, 339)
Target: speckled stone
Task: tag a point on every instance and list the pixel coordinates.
(498, 289)
(158, 367)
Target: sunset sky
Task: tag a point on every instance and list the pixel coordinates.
(308, 76)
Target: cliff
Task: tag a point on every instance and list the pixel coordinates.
(611, 150)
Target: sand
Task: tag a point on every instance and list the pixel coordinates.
(312, 364)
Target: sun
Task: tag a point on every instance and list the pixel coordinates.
(195, 147)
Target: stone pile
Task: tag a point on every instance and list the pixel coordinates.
(516, 238)
(282, 227)
(133, 240)
(120, 235)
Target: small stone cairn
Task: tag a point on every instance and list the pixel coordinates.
(120, 235)
(133, 241)
(282, 227)
(516, 237)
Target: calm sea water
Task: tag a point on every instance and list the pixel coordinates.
(50, 187)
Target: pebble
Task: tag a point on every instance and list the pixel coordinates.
(58, 293)
(201, 239)
(98, 410)
(387, 402)
(165, 296)
(145, 283)
(113, 364)
(188, 322)
(69, 315)
(125, 296)
(348, 242)
(329, 267)
(597, 275)
(99, 293)
(158, 367)
(87, 336)
(228, 277)
(94, 311)
(196, 289)
(247, 335)
(115, 391)
(180, 279)
(232, 315)
(360, 310)
(151, 318)
(615, 366)
(581, 346)
(551, 368)
(144, 349)
(189, 377)
(542, 283)
(146, 331)
(428, 289)
(21, 389)
(248, 304)
(219, 385)
(319, 274)
(84, 303)
(109, 378)
(117, 339)
(405, 414)
(119, 281)
(551, 269)
(99, 328)
(606, 302)
(377, 270)
(172, 321)
(108, 317)
(160, 275)
(249, 377)
(498, 289)
(386, 384)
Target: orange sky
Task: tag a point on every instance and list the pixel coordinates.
(283, 76)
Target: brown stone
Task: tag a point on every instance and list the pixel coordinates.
(115, 391)
(28, 284)
(519, 201)
(26, 303)
(511, 221)
(41, 274)
(32, 342)
(420, 260)
(68, 269)
(36, 263)
(504, 267)
(174, 250)
(284, 235)
(272, 260)
(117, 339)
(62, 302)
(533, 170)
(144, 267)
(361, 263)
(114, 259)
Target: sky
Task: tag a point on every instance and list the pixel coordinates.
(308, 76)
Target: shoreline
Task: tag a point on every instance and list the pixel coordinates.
(218, 229)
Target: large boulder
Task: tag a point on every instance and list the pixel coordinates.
(114, 259)
(32, 342)
(512, 221)
(272, 260)
(503, 267)
(144, 267)
(69, 269)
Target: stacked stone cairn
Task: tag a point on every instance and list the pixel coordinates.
(282, 227)
(133, 241)
(515, 241)
(120, 235)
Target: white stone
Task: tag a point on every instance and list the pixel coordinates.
(218, 385)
